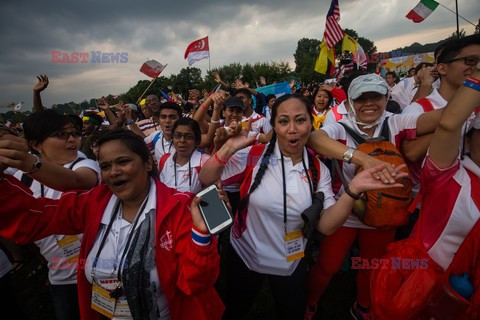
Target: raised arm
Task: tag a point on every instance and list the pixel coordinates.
(41, 85)
(445, 143)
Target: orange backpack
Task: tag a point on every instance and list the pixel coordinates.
(382, 208)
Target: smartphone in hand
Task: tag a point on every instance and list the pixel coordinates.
(215, 213)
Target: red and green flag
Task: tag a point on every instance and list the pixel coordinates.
(422, 10)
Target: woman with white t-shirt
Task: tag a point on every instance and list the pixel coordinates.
(368, 96)
(57, 167)
(279, 183)
(179, 170)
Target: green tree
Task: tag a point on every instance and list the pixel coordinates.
(454, 35)
(305, 56)
(186, 79)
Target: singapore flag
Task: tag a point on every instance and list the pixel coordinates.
(197, 50)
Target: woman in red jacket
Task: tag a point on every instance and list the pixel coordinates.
(146, 252)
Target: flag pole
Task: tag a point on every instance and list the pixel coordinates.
(456, 9)
(151, 82)
(456, 13)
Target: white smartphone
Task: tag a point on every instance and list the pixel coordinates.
(215, 213)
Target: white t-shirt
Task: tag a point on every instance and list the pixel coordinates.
(161, 146)
(435, 98)
(260, 123)
(184, 183)
(61, 272)
(261, 245)
(115, 245)
(402, 127)
(330, 117)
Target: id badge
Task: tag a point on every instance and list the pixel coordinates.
(70, 246)
(121, 309)
(102, 302)
(294, 245)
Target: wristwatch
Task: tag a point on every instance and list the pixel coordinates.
(348, 155)
(36, 165)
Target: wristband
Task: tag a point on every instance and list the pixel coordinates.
(200, 238)
(215, 156)
(472, 85)
(129, 122)
(215, 121)
(351, 194)
(474, 80)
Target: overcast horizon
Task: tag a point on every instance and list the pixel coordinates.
(250, 31)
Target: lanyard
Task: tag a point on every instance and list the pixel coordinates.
(189, 171)
(284, 180)
(163, 146)
(105, 236)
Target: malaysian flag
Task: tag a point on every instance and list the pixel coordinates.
(333, 31)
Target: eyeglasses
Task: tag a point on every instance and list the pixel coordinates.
(469, 61)
(64, 135)
(187, 136)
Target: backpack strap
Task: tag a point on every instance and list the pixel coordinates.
(161, 162)
(426, 104)
(26, 180)
(155, 139)
(354, 134)
(75, 162)
(385, 131)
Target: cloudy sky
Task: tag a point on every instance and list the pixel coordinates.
(239, 31)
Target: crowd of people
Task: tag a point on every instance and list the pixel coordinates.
(387, 165)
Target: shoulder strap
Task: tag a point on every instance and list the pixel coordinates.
(26, 180)
(155, 139)
(75, 162)
(253, 157)
(475, 188)
(385, 131)
(426, 104)
(358, 139)
(161, 162)
(316, 163)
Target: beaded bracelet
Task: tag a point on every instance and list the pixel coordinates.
(215, 156)
(474, 80)
(472, 85)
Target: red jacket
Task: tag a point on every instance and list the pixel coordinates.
(187, 272)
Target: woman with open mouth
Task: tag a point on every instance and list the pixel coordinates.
(145, 253)
(322, 103)
(279, 181)
(55, 166)
(179, 170)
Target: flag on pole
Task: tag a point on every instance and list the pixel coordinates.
(333, 32)
(326, 54)
(18, 106)
(422, 10)
(152, 68)
(197, 50)
(359, 56)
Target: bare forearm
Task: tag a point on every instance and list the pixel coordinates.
(37, 101)
(59, 178)
(335, 216)
(415, 150)
(212, 169)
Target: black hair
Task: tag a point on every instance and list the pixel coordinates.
(171, 106)
(421, 64)
(244, 91)
(451, 49)
(133, 142)
(77, 121)
(192, 124)
(394, 75)
(268, 152)
(346, 81)
(95, 116)
(330, 96)
(40, 125)
(270, 96)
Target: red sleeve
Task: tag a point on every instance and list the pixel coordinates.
(199, 266)
(24, 218)
(339, 95)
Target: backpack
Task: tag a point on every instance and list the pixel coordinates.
(382, 208)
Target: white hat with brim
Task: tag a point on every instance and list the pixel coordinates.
(367, 83)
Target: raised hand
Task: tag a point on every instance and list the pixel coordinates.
(41, 84)
(14, 152)
(103, 104)
(239, 84)
(217, 77)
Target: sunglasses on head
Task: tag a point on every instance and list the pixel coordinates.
(64, 135)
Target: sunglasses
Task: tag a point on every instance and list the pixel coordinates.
(469, 61)
(64, 135)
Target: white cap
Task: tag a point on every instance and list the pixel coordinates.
(367, 83)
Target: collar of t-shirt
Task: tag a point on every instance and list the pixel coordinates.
(277, 156)
(437, 100)
(151, 205)
(354, 126)
(195, 160)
